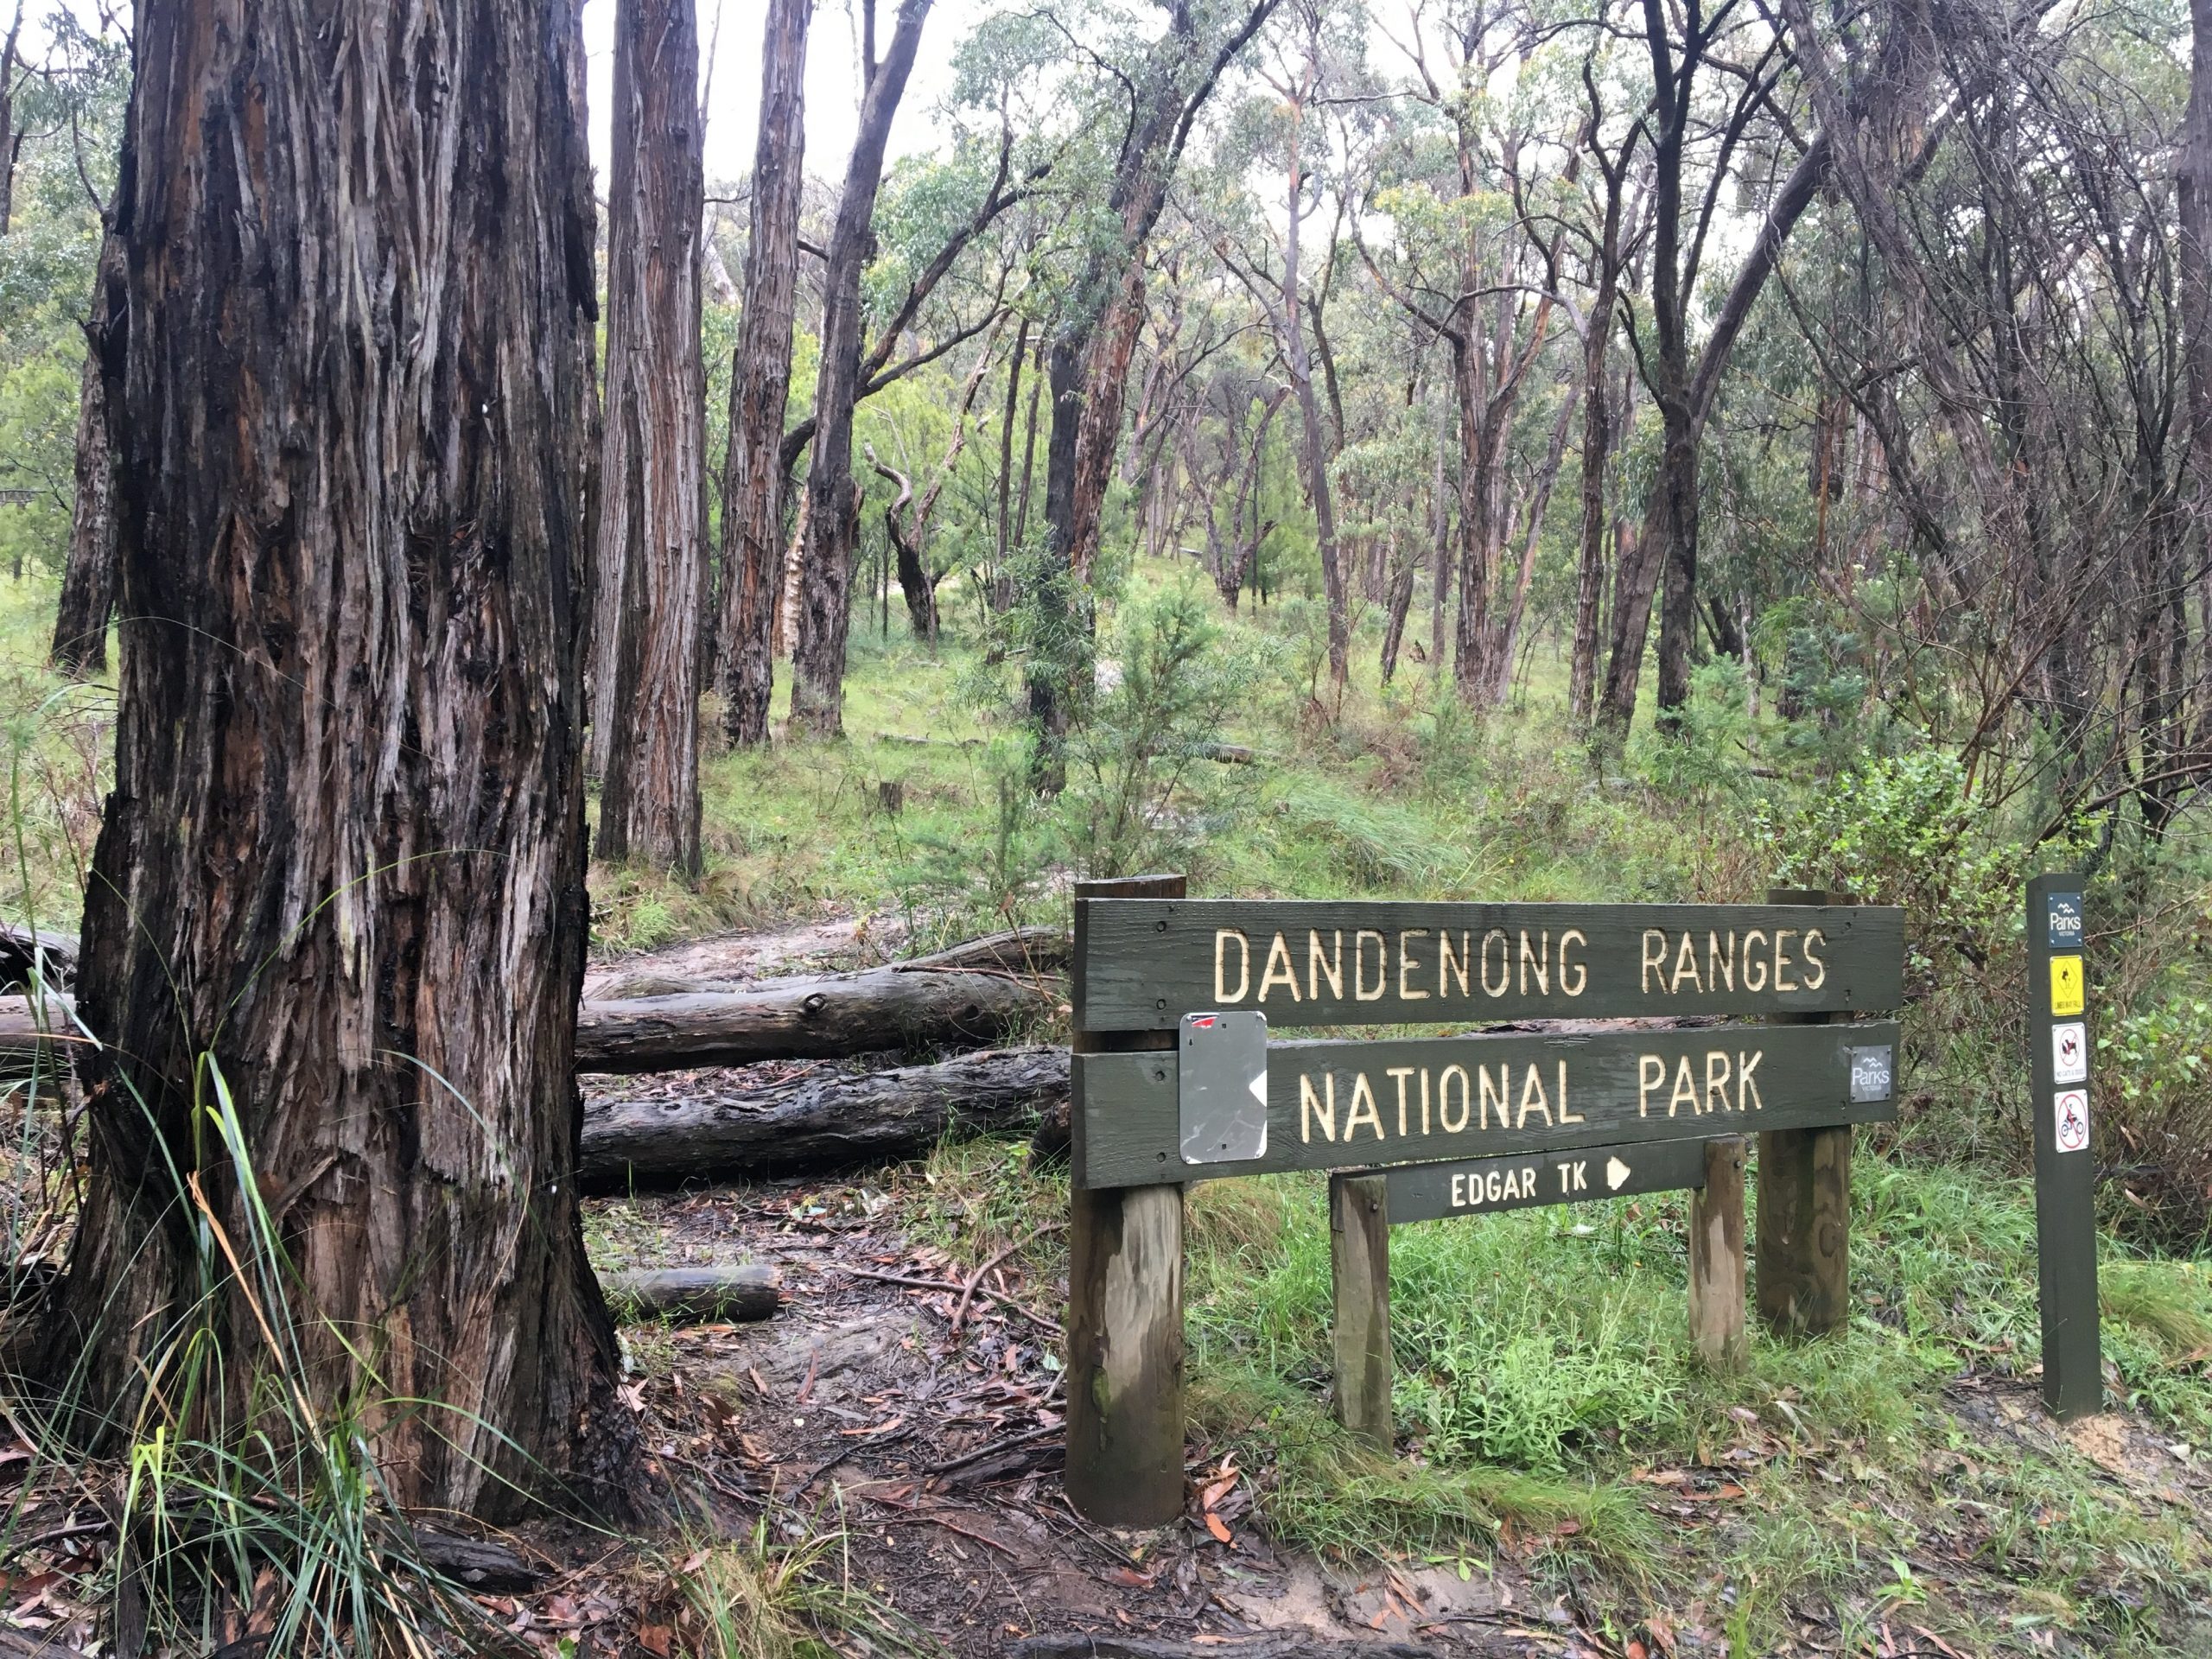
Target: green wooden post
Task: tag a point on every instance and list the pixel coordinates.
(2066, 1220)
(1125, 1306)
(1359, 1257)
(1804, 1226)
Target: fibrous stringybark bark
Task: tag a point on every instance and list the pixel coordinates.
(650, 593)
(88, 579)
(342, 867)
(759, 382)
(832, 495)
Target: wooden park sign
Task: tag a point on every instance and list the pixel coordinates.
(1143, 963)
(1175, 1081)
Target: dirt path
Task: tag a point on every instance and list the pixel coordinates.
(935, 1450)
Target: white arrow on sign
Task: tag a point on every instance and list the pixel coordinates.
(1616, 1173)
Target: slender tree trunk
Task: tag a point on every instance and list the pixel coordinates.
(1598, 434)
(759, 385)
(2194, 171)
(652, 594)
(12, 137)
(342, 868)
(1473, 648)
(1312, 449)
(1006, 437)
(1538, 504)
(88, 579)
(1399, 592)
(1440, 541)
(833, 497)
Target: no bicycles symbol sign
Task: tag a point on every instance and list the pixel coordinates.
(2070, 1110)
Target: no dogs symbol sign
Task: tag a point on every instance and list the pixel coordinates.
(2071, 1111)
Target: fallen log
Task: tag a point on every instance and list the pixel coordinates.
(747, 1290)
(1017, 950)
(29, 1030)
(827, 1017)
(1035, 950)
(830, 1121)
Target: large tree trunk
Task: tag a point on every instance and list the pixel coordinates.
(832, 495)
(339, 887)
(817, 1121)
(88, 579)
(759, 382)
(652, 589)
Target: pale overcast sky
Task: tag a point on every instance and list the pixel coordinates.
(832, 81)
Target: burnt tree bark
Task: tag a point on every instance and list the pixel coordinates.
(832, 495)
(88, 579)
(342, 865)
(759, 382)
(650, 595)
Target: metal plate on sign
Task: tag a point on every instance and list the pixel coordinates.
(1222, 1086)
(2069, 1053)
(2063, 920)
(1873, 1071)
(1481, 1187)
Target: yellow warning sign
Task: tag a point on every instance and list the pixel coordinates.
(2066, 985)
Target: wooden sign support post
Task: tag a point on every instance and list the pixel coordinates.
(1716, 1258)
(1125, 1306)
(2066, 1216)
(1804, 1236)
(1359, 1255)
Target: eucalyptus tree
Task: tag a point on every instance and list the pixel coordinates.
(652, 568)
(1449, 174)
(1155, 82)
(1284, 131)
(1719, 82)
(761, 375)
(335, 933)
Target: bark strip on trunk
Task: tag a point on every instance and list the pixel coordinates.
(88, 579)
(342, 865)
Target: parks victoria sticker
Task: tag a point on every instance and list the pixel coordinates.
(2069, 1053)
(2062, 919)
(2070, 1114)
(2066, 985)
